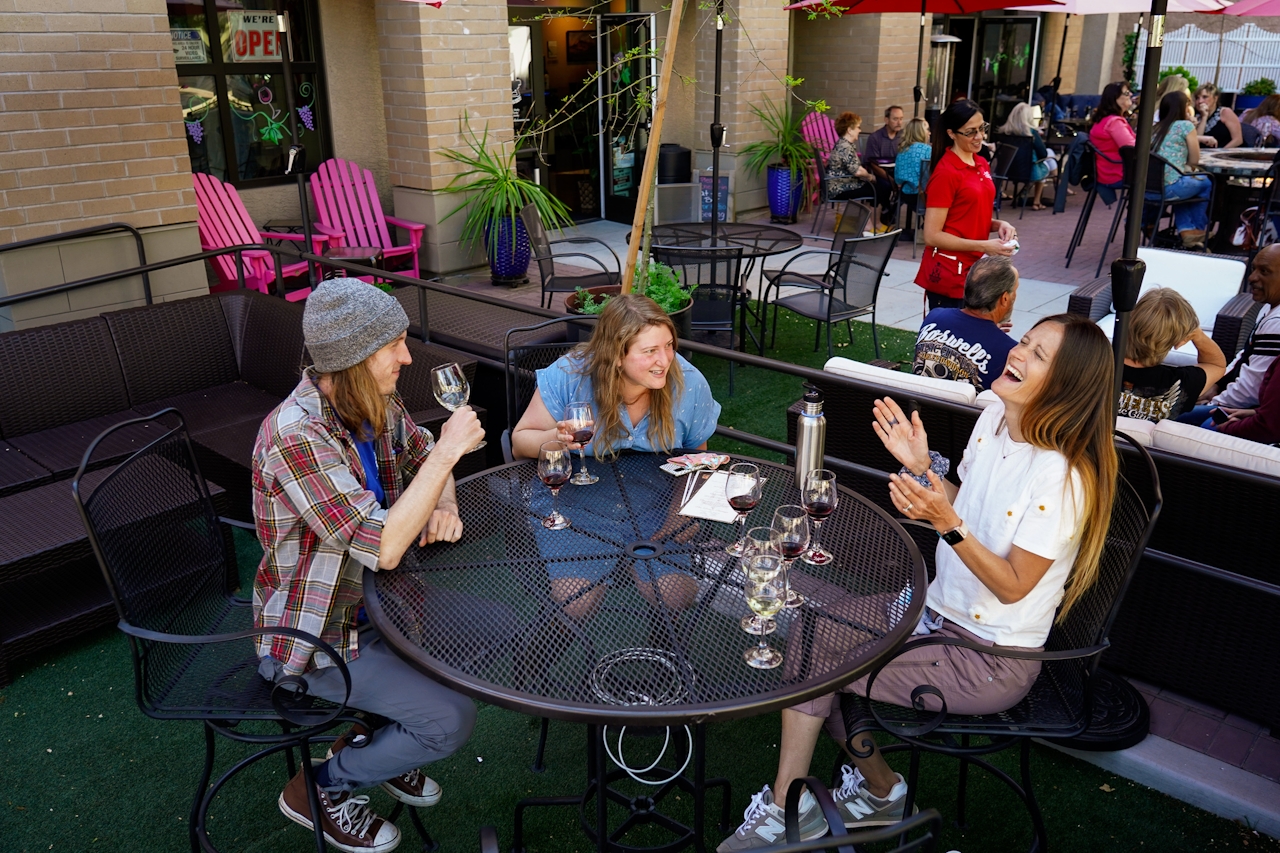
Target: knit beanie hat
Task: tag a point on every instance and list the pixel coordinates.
(346, 321)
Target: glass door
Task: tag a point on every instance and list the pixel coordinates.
(627, 85)
(1005, 65)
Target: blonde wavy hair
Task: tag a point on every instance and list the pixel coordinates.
(1072, 414)
(600, 357)
(1161, 320)
(916, 130)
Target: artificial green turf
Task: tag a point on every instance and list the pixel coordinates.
(82, 769)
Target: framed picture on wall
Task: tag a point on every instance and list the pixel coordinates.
(579, 47)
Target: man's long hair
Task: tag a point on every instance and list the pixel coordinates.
(356, 401)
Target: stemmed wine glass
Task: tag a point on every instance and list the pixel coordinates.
(791, 529)
(450, 386)
(582, 423)
(765, 590)
(742, 488)
(555, 464)
(820, 497)
(759, 542)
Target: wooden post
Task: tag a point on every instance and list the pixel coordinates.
(655, 146)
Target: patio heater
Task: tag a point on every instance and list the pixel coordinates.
(942, 60)
(717, 129)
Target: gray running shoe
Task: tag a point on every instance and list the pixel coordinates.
(860, 808)
(765, 824)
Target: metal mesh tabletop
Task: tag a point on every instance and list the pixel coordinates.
(756, 241)
(632, 613)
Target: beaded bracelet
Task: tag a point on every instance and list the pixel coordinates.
(938, 464)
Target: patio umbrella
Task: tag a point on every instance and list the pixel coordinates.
(1251, 7)
(937, 7)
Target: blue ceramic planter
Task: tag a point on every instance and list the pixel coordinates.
(508, 263)
(785, 194)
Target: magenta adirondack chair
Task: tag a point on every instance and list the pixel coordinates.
(222, 221)
(820, 132)
(348, 208)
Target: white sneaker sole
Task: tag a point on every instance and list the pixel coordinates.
(422, 802)
(303, 820)
(879, 821)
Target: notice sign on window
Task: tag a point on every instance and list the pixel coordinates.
(254, 37)
(188, 47)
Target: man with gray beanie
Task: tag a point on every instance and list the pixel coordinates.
(971, 344)
(343, 480)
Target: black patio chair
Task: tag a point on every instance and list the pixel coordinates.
(1090, 168)
(848, 289)
(562, 282)
(170, 567)
(719, 311)
(1015, 158)
(1060, 704)
(526, 352)
(922, 206)
(1155, 187)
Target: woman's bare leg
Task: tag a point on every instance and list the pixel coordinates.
(799, 737)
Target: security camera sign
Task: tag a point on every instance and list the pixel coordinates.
(254, 37)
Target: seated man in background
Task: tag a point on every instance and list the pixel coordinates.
(971, 344)
(882, 145)
(1239, 388)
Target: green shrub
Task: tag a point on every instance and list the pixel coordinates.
(1262, 86)
(1192, 82)
(663, 288)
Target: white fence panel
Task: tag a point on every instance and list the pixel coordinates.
(1247, 53)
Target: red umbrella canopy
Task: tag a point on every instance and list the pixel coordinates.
(937, 7)
(1253, 7)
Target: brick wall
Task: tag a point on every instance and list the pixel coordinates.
(90, 126)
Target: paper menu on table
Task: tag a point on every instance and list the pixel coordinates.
(709, 500)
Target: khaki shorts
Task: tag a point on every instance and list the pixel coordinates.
(972, 682)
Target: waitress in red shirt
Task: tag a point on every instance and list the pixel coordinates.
(961, 198)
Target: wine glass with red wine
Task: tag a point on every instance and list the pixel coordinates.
(555, 464)
(582, 423)
(742, 489)
(820, 497)
(791, 530)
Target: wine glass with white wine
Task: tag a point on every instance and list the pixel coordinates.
(765, 590)
(452, 391)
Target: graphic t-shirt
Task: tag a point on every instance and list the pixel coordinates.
(957, 346)
(1159, 392)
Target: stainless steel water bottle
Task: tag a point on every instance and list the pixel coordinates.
(811, 434)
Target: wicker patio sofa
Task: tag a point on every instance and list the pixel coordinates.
(224, 361)
(1209, 581)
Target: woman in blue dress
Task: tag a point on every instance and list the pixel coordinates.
(646, 397)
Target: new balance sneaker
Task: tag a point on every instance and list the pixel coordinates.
(414, 788)
(347, 821)
(764, 824)
(859, 807)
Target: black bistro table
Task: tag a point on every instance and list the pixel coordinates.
(1239, 174)
(630, 618)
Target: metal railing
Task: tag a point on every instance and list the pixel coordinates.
(72, 235)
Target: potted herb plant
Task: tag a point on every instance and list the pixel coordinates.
(662, 286)
(1253, 93)
(495, 194)
(785, 155)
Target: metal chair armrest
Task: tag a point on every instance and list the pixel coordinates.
(616, 260)
(820, 793)
(592, 258)
(772, 274)
(232, 522)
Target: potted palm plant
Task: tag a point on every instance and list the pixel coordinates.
(785, 155)
(495, 194)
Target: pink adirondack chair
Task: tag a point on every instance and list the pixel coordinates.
(348, 208)
(222, 221)
(820, 132)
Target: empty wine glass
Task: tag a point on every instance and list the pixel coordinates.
(451, 389)
(555, 464)
(582, 423)
(761, 557)
(820, 498)
(742, 489)
(765, 593)
(791, 529)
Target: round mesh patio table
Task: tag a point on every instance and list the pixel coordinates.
(756, 241)
(631, 614)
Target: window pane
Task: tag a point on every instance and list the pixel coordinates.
(190, 36)
(249, 33)
(260, 122)
(204, 127)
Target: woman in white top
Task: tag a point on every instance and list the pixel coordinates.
(1022, 539)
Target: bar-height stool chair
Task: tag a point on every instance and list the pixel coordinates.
(1120, 194)
(719, 300)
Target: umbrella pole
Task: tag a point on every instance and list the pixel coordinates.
(917, 92)
(717, 129)
(295, 149)
(1062, 49)
(1127, 270)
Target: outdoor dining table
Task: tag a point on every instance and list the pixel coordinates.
(1237, 173)
(630, 617)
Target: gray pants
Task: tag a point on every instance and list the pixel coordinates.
(429, 721)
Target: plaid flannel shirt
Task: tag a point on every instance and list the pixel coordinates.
(318, 524)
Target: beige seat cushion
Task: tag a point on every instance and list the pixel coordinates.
(1216, 448)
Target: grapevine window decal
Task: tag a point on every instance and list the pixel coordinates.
(195, 108)
(276, 125)
(305, 115)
